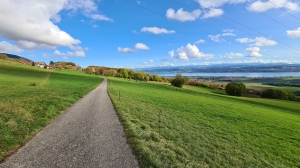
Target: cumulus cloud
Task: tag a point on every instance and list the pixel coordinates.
(7, 47)
(151, 61)
(67, 54)
(156, 30)
(37, 18)
(125, 50)
(138, 46)
(182, 15)
(141, 46)
(232, 55)
(189, 51)
(213, 13)
(34, 16)
(258, 41)
(260, 6)
(200, 41)
(254, 51)
(294, 33)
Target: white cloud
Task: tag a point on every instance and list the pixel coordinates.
(37, 18)
(228, 34)
(95, 26)
(7, 47)
(171, 53)
(156, 30)
(56, 18)
(99, 17)
(145, 63)
(138, 46)
(34, 16)
(254, 51)
(259, 6)
(189, 51)
(217, 3)
(141, 46)
(32, 46)
(125, 50)
(151, 61)
(89, 8)
(294, 33)
(213, 13)
(200, 41)
(216, 38)
(258, 41)
(232, 55)
(182, 15)
(67, 54)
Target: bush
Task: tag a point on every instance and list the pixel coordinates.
(179, 80)
(235, 88)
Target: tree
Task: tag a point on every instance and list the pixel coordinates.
(33, 64)
(124, 72)
(179, 80)
(235, 89)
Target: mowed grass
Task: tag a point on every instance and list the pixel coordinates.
(31, 97)
(203, 129)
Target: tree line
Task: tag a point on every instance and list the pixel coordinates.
(123, 73)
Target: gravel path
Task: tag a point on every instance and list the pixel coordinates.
(88, 134)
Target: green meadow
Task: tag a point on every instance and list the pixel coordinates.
(200, 127)
(31, 97)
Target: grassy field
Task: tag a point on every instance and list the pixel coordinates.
(31, 97)
(205, 128)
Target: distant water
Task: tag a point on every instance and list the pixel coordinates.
(262, 74)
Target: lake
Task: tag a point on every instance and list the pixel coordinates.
(250, 74)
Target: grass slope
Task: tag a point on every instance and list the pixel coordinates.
(203, 129)
(30, 98)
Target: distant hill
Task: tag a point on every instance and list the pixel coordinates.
(17, 57)
(228, 68)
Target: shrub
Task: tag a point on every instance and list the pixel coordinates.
(179, 80)
(235, 88)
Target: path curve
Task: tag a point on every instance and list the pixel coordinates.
(88, 134)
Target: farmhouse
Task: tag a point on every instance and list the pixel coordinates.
(40, 64)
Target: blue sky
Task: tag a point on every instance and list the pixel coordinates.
(147, 33)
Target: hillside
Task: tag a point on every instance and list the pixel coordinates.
(173, 127)
(17, 57)
(32, 97)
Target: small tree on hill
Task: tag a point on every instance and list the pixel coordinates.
(179, 80)
(33, 64)
(235, 89)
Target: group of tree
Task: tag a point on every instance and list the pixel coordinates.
(279, 94)
(123, 73)
(63, 65)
